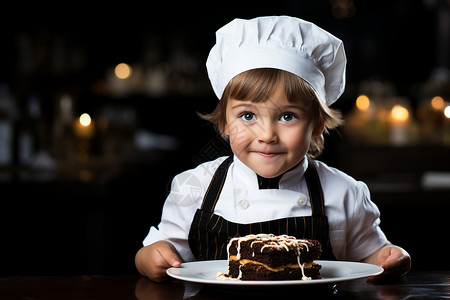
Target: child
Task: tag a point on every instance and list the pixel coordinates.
(276, 78)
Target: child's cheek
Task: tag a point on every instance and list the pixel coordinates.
(297, 140)
(241, 137)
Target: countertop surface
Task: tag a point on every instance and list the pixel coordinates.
(415, 285)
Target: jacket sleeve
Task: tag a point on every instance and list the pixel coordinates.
(185, 197)
(364, 235)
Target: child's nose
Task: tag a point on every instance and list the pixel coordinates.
(268, 133)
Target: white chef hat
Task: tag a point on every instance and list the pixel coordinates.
(280, 42)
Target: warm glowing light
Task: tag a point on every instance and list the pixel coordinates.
(85, 120)
(122, 71)
(437, 103)
(362, 102)
(447, 112)
(399, 113)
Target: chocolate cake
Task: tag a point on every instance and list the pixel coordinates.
(270, 257)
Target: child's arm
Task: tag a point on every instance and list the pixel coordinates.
(395, 261)
(153, 260)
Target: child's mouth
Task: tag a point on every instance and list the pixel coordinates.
(267, 155)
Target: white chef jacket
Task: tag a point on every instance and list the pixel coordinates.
(353, 218)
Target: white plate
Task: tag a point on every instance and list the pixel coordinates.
(332, 272)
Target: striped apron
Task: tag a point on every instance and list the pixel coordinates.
(209, 233)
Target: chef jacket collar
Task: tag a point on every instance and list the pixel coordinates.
(269, 183)
(289, 180)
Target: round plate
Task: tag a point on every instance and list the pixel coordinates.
(332, 272)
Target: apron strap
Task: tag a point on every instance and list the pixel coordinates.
(216, 185)
(314, 189)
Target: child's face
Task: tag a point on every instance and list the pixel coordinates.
(270, 137)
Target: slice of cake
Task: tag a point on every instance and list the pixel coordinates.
(270, 257)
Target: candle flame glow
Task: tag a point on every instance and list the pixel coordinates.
(437, 103)
(447, 112)
(362, 102)
(122, 71)
(85, 120)
(399, 113)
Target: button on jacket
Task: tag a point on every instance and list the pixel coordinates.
(353, 219)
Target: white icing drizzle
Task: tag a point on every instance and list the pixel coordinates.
(270, 240)
(222, 277)
(301, 265)
(240, 273)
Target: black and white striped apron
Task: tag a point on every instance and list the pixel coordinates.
(209, 233)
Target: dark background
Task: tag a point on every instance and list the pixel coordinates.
(90, 217)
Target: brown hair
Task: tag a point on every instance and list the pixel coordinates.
(258, 85)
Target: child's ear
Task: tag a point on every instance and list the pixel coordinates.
(318, 129)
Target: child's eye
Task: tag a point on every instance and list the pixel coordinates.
(248, 117)
(288, 117)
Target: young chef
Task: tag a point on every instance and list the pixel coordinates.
(276, 78)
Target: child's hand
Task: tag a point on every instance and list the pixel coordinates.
(395, 261)
(153, 260)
